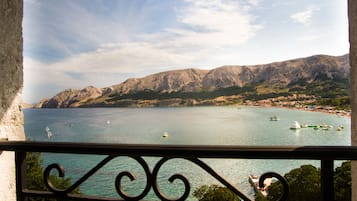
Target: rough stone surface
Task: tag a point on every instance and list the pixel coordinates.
(11, 81)
(352, 12)
(352, 15)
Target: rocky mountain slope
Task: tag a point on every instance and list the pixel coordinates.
(169, 81)
(71, 98)
(174, 86)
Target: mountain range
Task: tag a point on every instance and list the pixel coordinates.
(226, 84)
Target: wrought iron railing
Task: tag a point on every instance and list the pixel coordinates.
(326, 154)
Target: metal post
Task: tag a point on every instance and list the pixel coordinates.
(327, 185)
(20, 175)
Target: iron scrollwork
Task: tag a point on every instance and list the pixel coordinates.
(132, 177)
(61, 173)
(171, 179)
(284, 183)
(152, 179)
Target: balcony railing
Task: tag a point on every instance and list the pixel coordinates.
(326, 154)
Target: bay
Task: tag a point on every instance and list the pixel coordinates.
(187, 125)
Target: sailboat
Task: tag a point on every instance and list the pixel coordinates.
(49, 133)
(295, 125)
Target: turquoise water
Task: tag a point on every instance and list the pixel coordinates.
(193, 125)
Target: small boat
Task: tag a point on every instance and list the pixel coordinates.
(325, 127)
(340, 128)
(108, 122)
(274, 118)
(165, 135)
(304, 125)
(295, 125)
(49, 133)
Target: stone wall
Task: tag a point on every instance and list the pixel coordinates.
(352, 16)
(11, 81)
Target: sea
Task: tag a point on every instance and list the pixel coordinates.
(227, 125)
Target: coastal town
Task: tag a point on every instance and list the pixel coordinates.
(298, 101)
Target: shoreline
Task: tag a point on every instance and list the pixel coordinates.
(294, 102)
(320, 109)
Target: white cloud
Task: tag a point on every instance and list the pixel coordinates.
(218, 23)
(304, 17)
(208, 27)
(310, 37)
(254, 2)
(65, 28)
(32, 2)
(39, 73)
(123, 58)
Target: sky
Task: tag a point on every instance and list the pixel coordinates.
(78, 43)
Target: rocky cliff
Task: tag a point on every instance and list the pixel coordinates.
(189, 80)
(71, 98)
(179, 84)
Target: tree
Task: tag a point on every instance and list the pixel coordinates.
(304, 184)
(34, 176)
(342, 182)
(214, 193)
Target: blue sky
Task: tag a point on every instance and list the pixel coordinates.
(76, 43)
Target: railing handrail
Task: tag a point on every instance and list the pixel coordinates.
(187, 151)
(325, 154)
